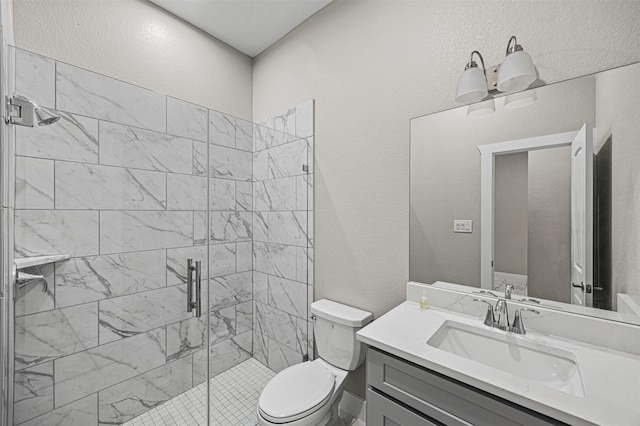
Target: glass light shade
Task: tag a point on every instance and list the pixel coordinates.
(520, 100)
(472, 86)
(482, 108)
(517, 72)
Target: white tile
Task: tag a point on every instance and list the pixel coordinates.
(88, 186)
(122, 231)
(229, 163)
(87, 279)
(222, 129)
(34, 183)
(40, 232)
(126, 146)
(49, 335)
(185, 192)
(87, 93)
(186, 119)
(87, 372)
(35, 78)
(72, 138)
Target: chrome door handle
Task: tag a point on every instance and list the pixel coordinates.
(190, 269)
(581, 286)
(198, 303)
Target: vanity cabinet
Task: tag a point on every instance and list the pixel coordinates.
(402, 393)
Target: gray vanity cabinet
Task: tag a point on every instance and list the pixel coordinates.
(402, 393)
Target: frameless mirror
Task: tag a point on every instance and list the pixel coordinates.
(539, 190)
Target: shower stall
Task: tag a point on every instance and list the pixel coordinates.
(157, 255)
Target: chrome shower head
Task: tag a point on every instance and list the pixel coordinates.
(45, 117)
(21, 111)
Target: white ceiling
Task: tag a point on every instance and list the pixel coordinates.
(248, 25)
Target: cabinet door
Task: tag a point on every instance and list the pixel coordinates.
(384, 412)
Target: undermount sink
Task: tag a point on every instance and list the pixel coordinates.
(531, 361)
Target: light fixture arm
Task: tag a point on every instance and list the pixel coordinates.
(472, 63)
(515, 48)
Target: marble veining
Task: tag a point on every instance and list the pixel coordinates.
(35, 77)
(73, 138)
(289, 227)
(129, 315)
(83, 92)
(222, 129)
(87, 186)
(223, 194)
(275, 259)
(87, 372)
(88, 279)
(49, 335)
(177, 263)
(244, 196)
(222, 324)
(34, 183)
(186, 192)
(222, 259)
(281, 357)
(123, 231)
(276, 324)
(137, 148)
(244, 257)
(33, 392)
(288, 159)
(199, 159)
(40, 232)
(285, 295)
(186, 119)
(276, 194)
(186, 337)
(229, 227)
(229, 163)
(83, 412)
(230, 289)
(229, 353)
(244, 135)
(135, 396)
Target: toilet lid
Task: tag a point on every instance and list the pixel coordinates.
(296, 392)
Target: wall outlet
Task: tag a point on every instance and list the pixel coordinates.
(465, 226)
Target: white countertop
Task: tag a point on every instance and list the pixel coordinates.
(611, 378)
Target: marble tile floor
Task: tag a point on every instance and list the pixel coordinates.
(234, 395)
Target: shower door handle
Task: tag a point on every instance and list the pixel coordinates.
(190, 269)
(198, 304)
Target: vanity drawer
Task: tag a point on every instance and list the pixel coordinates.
(442, 398)
(382, 411)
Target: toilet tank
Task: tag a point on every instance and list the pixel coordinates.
(335, 330)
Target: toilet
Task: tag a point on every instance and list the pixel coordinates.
(308, 394)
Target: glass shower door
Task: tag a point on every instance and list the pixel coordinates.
(119, 185)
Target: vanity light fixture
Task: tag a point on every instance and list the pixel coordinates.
(472, 86)
(516, 73)
(520, 100)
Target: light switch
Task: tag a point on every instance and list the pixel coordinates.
(465, 226)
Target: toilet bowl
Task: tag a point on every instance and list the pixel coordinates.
(308, 394)
(303, 394)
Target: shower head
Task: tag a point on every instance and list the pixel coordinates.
(21, 111)
(45, 117)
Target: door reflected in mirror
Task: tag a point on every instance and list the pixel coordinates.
(559, 220)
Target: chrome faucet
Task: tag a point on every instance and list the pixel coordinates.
(508, 289)
(502, 314)
(498, 317)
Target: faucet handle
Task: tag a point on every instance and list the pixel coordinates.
(518, 324)
(489, 320)
(508, 289)
(487, 292)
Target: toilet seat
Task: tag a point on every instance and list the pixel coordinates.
(296, 392)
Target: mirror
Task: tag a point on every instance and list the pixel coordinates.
(552, 175)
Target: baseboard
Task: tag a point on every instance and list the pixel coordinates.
(354, 406)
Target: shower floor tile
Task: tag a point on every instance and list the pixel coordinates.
(234, 396)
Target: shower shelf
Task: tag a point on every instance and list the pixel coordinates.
(27, 262)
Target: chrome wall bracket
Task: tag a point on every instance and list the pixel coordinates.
(20, 111)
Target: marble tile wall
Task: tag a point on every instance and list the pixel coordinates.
(283, 237)
(120, 183)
